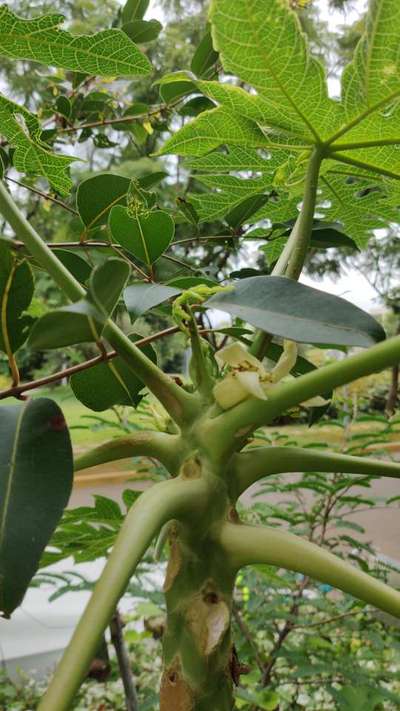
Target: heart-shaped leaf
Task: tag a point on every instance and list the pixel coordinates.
(291, 310)
(110, 383)
(98, 194)
(36, 468)
(146, 236)
(140, 298)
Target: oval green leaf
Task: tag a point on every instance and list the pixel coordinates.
(288, 309)
(142, 31)
(36, 468)
(16, 292)
(140, 298)
(110, 383)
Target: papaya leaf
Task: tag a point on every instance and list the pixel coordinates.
(36, 469)
(106, 53)
(263, 46)
(21, 128)
(212, 129)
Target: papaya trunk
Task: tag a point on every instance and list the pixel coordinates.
(198, 668)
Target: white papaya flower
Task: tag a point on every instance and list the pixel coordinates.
(247, 377)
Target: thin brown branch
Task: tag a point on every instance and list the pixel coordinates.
(71, 245)
(285, 632)
(247, 634)
(117, 638)
(46, 196)
(68, 372)
(328, 621)
(180, 262)
(202, 239)
(122, 119)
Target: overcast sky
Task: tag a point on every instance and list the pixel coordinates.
(352, 285)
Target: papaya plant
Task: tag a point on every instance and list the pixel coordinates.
(267, 144)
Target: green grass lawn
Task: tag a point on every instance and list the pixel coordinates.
(87, 428)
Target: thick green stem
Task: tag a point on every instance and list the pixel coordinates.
(291, 261)
(243, 419)
(168, 500)
(158, 445)
(251, 545)
(178, 403)
(250, 466)
(198, 590)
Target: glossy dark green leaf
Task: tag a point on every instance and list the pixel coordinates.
(174, 86)
(146, 236)
(140, 298)
(291, 310)
(242, 212)
(107, 283)
(324, 235)
(188, 211)
(63, 106)
(78, 323)
(196, 106)
(2, 165)
(78, 267)
(205, 58)
(110, 383)
(328, 235)
(36, 469)
(149, 181)
(134, 9)
(142, 31)
(84, 320)
(16, 292)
